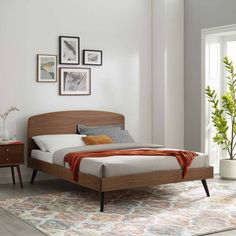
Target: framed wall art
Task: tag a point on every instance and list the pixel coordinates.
(92, 57)
(69, 50)
(46, 68)
(75, 81)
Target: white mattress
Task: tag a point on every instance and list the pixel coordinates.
(126, 165)
(41, 155)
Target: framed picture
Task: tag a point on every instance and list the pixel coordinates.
(92, 57)
(69, 50)
(46, 68)
(75, 81)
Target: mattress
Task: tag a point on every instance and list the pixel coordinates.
(126, 165)
(41, 155)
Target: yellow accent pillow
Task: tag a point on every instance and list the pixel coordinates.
(97, 139)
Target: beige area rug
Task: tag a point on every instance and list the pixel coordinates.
(175, 209)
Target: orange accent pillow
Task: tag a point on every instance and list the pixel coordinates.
(97, 139)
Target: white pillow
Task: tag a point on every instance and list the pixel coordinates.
(54, 142)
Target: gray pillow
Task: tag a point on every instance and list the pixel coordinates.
(83, 129)
(117, 135)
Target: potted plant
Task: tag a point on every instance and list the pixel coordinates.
(224, 120)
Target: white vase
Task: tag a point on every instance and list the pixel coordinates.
(5, 133)
(228, 169)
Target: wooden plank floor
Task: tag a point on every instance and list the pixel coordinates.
(12, 226)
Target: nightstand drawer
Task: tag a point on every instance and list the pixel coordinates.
(11, 154)
(10, 149)
(11, 159)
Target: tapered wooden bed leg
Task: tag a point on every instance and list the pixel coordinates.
(102, 202)
(204, 183)
(33, 176)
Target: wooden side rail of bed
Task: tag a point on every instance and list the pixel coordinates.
(66, 123)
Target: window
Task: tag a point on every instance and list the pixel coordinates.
(216, 45)
(230, 47)
(213, 79)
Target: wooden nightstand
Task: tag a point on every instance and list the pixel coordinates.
(12, 155)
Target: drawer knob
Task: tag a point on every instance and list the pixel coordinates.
(7, 150)
(7, 159)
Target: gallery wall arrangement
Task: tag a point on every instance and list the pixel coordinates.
(73, 80)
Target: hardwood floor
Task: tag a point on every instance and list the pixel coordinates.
(12, 226)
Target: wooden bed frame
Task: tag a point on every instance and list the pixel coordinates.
(65, 122)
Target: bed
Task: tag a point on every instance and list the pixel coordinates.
(65, 122)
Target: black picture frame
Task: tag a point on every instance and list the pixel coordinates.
(68, 88)
(71, 48)
(92, 61)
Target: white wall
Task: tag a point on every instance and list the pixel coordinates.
(158, 70)
(122, 29)
(168, 72)
(199, 15)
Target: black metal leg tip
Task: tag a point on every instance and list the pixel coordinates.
(33, 176)
(204, 183)
(102, 202)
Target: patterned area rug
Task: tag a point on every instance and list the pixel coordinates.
(175, 209)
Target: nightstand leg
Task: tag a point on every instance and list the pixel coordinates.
(19, 176)
(13, 175)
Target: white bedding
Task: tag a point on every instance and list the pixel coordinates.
(126, 165)
(41, 155)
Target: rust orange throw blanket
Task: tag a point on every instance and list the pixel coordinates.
(184, 157)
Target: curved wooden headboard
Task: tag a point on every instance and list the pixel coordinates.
(65, 122)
